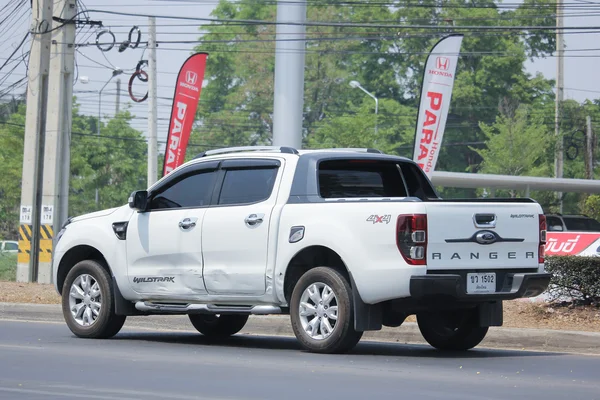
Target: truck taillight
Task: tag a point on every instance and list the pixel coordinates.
(542, 248)
(411, 238)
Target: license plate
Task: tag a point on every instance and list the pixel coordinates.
(484, 282)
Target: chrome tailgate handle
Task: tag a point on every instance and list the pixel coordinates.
(485, 220)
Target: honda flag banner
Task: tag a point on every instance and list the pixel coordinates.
(436, 92)
(183, 113)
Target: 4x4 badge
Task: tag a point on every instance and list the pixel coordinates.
(379, 219)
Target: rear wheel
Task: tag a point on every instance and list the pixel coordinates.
(218, 326)
(321, 311)
(88, 302)
(452, 330)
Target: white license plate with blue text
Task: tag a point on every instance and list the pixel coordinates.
(483, 282)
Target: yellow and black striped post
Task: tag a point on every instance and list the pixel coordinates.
(45, 253)
(46, 236)
(24, 244)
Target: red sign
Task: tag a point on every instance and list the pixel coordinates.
(436, 93)
(569, 243)
(183, 113)
(429, 143)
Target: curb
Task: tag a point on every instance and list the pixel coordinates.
(279, 325)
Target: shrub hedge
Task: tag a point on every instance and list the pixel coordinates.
(575, 277)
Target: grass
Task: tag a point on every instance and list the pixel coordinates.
(8, 267)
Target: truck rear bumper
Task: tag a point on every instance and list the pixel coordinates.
(517, 285)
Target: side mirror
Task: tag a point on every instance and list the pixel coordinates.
(138, 200)
(556, 228)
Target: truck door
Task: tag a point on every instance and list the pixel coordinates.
(235, 231)
(164, 243)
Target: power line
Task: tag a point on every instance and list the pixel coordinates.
(352, 24)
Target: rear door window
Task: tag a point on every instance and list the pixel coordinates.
(246, 186)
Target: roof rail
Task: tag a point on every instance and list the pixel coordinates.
(280, 149)
(362, 150)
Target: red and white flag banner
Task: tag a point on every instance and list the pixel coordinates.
(183, 113)
(436, 92)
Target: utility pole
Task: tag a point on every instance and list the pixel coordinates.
(118, 99)
(152, 146)
(560, 46)
(289, 73)
(35, 128)
(57, 160)
(589, 149)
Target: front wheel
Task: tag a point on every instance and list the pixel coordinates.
(218, 326)
(452, 330)
(88, 302)
(321, 312)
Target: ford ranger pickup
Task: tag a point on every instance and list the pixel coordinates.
(342, 240)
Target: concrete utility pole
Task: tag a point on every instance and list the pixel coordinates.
(560, 63)
(289, 74)
(57, 153)
(589, 149)
(118, 99)
(35, 128)
(152, 111)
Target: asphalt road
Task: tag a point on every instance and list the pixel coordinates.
(41, 360)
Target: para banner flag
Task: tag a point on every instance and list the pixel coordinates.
(436, 92)
(183, 112)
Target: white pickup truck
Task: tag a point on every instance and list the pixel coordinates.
(342, 240)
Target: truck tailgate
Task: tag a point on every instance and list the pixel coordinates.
(482, 235)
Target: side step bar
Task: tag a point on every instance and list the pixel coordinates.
(186, 308)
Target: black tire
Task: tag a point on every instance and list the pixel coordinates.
(107, 323)
(343, 337)
(452, 330)
(218, 326)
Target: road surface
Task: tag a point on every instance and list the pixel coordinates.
(43, 360)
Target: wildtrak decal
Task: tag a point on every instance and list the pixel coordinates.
(153, 279)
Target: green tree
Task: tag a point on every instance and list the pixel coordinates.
(356, 128)
(236, 104)
(591, 207)
(515, 145)
(11, 159)
(115, 162)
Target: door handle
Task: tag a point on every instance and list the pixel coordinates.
(187, 223)
(254, 219)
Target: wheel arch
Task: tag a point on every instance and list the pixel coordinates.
(73, 256)
(366, 316)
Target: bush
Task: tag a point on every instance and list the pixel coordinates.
(591, 207)
(8, 267)
(575, 277)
